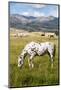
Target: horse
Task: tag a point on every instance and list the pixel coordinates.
(33, 48)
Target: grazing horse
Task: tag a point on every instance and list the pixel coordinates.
(39, 49)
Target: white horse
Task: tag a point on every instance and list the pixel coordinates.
(33, 49)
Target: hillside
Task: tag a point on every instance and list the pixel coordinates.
(31, 23)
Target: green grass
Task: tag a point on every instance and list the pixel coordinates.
(41, 74)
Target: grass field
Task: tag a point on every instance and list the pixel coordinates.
(41, 74)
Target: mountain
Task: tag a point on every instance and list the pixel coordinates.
(31, 23)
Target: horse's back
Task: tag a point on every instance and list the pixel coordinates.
(39, 48)
(50, 44)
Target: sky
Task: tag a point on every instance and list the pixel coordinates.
(35, 10)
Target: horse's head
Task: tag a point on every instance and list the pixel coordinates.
(20, 61)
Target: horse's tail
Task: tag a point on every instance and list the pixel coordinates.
(54, 50)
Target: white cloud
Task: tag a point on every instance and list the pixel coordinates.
(35, 14)
(25, 13)
(38, 14)
(38, 5)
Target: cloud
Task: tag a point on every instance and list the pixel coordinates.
(35, 14)
(38, 14)
(25, 13)
(38, 6)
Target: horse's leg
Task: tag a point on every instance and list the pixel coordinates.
(30, 61)
(31, 65)
(51, 61)
(51, 57)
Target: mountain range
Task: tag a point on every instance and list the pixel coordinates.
(31, 23)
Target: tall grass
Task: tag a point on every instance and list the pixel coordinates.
(41, 74)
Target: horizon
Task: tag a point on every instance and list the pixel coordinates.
(34, 16)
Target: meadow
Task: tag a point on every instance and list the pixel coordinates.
(41, 74)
